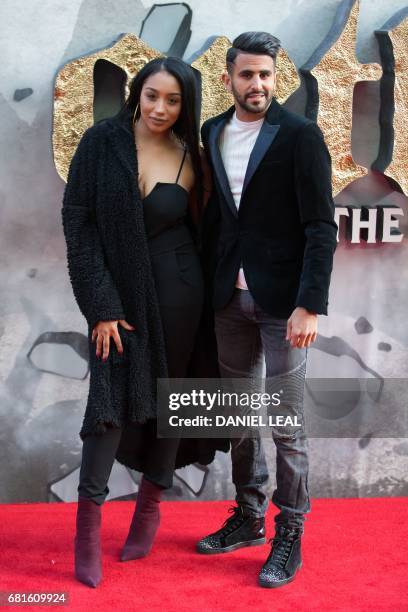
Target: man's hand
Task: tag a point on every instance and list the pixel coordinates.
(103, 331)
(302, 328)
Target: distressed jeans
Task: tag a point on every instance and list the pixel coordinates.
(245, 334)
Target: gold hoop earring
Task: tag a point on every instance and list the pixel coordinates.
(135, 113)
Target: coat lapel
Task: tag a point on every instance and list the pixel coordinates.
(216, 158)
(124, 144)
(266, 136)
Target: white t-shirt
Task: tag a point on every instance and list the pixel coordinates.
(236, 143)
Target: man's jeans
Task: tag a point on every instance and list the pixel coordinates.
(244, 334)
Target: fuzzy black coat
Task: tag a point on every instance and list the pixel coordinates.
(111, 276)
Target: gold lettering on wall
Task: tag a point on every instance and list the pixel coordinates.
(74, 93)
(287, 78)
(336, 73)
(73, 106)
(211, 64)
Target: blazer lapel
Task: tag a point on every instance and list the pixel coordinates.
(218, 165)
(266, 136)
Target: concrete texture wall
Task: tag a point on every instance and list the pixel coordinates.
(41, 411)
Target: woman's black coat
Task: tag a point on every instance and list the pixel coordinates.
(111, 276)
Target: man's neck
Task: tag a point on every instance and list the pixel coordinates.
(247, 117)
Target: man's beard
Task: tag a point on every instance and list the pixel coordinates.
(256, 108)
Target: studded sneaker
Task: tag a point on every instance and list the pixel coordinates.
(284, 559)
(238, 530)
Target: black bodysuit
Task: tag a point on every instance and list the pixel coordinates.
(176, 270)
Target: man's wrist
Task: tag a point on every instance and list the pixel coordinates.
(311, 312)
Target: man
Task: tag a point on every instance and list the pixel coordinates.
(269, 237)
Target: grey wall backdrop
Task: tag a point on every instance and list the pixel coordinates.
(43, 391)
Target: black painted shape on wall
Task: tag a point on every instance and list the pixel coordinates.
(21, 94)
(181, 28)
(365, 440)
(338, 348)
(312, 87)
(75, 340)
(384, 346)
(362, 326)
(109, 89)
(387, 84)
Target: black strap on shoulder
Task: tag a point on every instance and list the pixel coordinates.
(182, 163)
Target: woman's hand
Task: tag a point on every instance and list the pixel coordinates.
(103, 332)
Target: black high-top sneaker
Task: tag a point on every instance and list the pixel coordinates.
(284, 559)
(238, 530)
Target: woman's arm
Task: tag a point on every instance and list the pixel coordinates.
(92, 283)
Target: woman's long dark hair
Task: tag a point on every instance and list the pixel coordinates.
(186, 127)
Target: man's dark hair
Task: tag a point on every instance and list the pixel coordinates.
(259, 43)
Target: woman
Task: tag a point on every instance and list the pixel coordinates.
(130, 206)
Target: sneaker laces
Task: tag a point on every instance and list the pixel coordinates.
(281, 547)
(233, 521)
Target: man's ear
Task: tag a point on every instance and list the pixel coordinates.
(226, 79)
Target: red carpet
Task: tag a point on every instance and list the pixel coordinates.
(355, 557)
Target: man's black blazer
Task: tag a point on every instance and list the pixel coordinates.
(284, 231)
